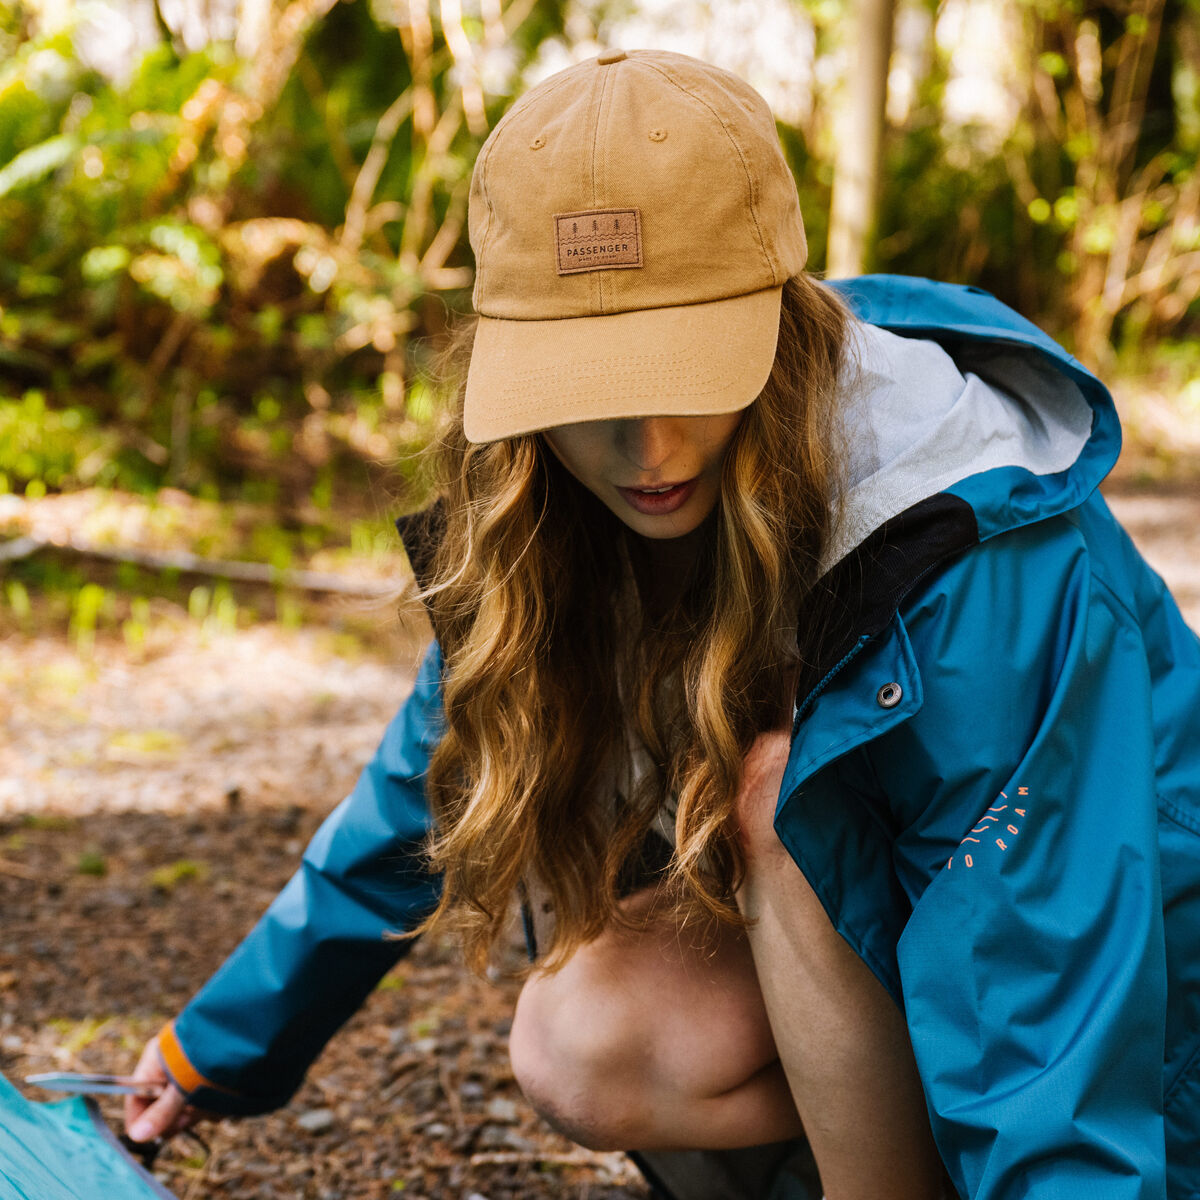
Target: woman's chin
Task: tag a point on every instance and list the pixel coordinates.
(670, 526)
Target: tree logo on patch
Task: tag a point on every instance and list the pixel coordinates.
(597, 239)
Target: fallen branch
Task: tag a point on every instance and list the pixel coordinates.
(451, 1093)
(192, 564)
(18, 870)
(577, 1158)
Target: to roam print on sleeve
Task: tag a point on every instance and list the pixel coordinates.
(998, 826)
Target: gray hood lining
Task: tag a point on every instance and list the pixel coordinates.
(916, 422)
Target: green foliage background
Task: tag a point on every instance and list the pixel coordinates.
(230, 275)
(179, 301)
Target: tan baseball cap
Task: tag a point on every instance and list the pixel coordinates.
(633, 222)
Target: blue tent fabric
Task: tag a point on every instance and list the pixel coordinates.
(64, 1151)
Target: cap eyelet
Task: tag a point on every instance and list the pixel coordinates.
(537, 143)
(889, 695)
(658, 135)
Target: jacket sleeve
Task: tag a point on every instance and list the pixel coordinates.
(244, 1041)
(1033, 964)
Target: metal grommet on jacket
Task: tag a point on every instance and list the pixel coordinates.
(889, 695)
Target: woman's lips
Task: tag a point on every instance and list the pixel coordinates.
(656, 503)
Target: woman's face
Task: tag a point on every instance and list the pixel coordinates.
(627, 463)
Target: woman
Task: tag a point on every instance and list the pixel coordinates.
(788, 665)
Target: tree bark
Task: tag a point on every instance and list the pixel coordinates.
(860, 142)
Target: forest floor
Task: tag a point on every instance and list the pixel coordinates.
(155, 794)
(149, 811)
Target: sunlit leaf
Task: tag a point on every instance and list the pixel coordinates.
(34, 164)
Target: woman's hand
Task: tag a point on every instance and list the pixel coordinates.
(147, 1120)
(762, 776)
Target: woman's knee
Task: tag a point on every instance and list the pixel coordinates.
(571, 1059)
(640, 1028)
(651, 1067)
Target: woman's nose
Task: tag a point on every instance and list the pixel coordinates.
(647, 442)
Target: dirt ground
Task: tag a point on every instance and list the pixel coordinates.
(151, 806)
(149, 811)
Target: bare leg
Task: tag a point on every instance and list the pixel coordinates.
(646, 1041)
(842, 1041)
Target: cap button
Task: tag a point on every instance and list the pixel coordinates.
(613, 56)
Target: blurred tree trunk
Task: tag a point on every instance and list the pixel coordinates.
(860, 139)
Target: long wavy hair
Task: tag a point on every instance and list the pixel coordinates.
(556, 653)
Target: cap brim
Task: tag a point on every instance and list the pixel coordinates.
(691, 360)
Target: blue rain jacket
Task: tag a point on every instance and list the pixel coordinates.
(993, 785)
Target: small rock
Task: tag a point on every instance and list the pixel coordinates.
(12, 1043)
(492, 1137)
(437, 1130)
(316, 1120)
(471, 1089)
(425, 1045)
(501, 1110)
(496, 1137)
(286, 821)
(514, 1141)
(422, 1094)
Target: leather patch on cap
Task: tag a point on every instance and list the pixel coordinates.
(597, 240)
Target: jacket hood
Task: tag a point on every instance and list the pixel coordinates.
(921, 420)
(966, 421)
(990, 411)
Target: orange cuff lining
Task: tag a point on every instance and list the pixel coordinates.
(179, 1066)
